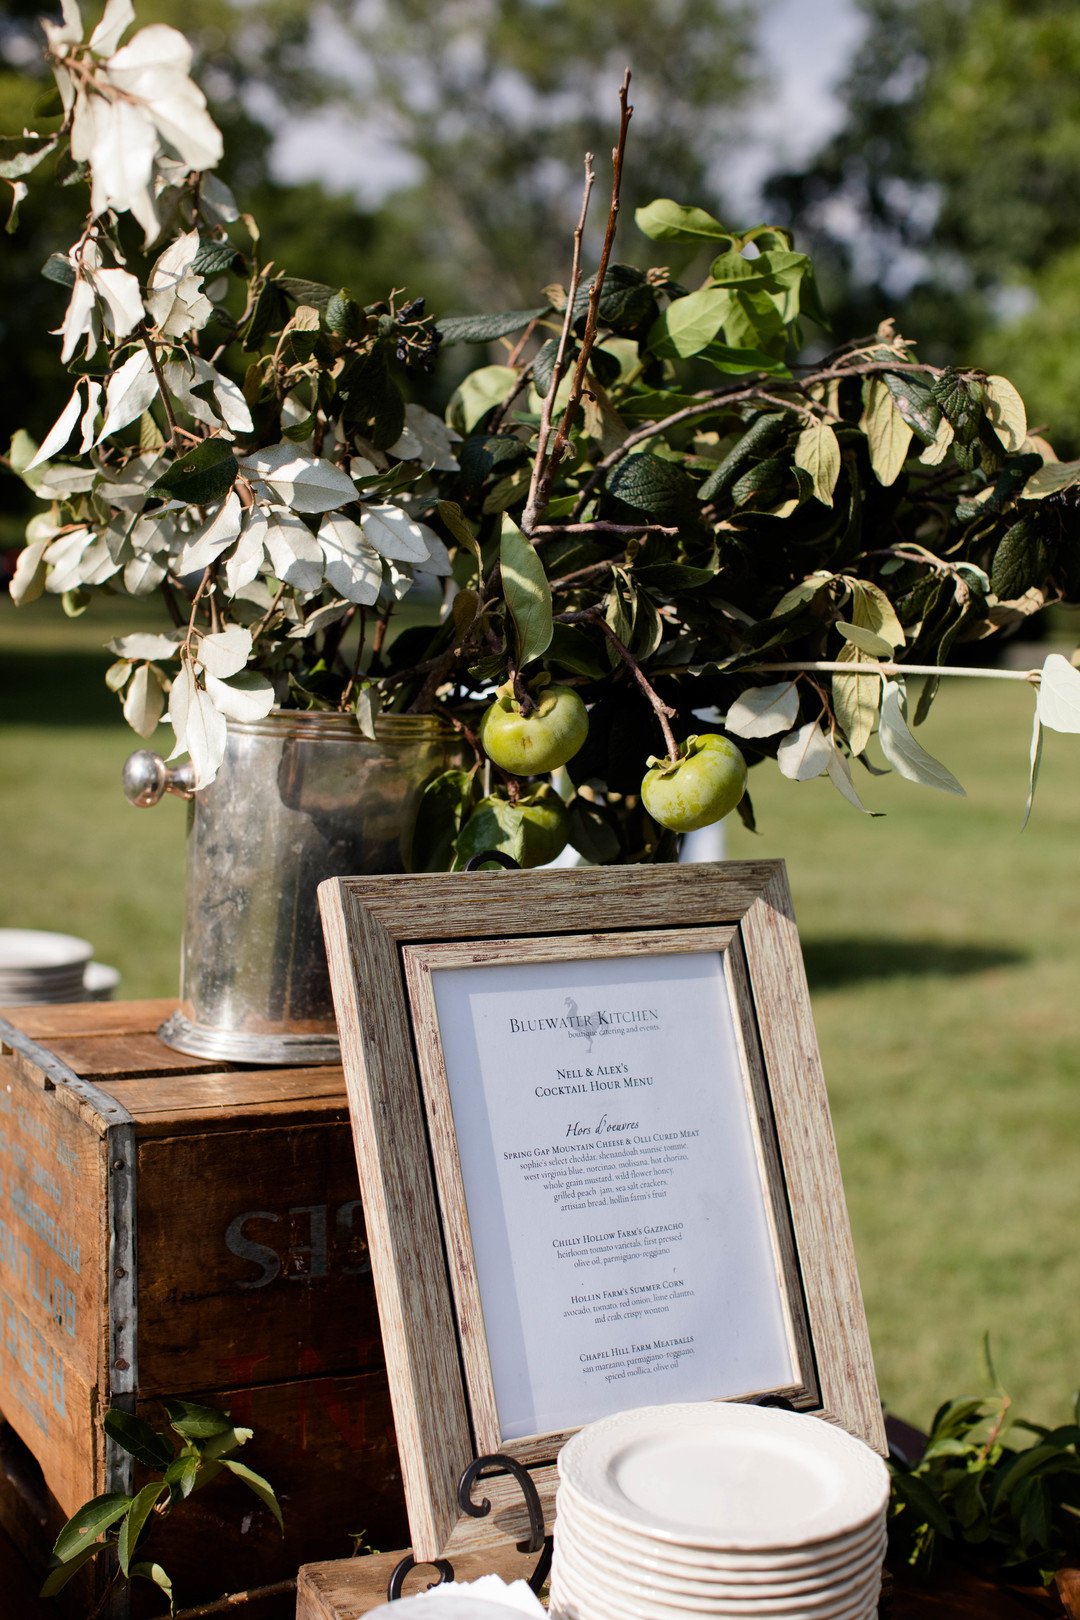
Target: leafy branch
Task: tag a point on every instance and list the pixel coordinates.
(119, 1525)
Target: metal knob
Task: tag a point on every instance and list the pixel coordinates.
(147, 777)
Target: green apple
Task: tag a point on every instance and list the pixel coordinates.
(546, 825)
(702, 785)
(538, 742)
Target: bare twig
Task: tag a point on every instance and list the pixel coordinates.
(601, 526)
(159, 378)
(237, 1600)
(664, 713)
(562, 437)
(268, 615)
(858, 667)
(533, 505)
(722, 398)
(203, 584)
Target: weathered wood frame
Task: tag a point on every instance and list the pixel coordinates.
(384, 937)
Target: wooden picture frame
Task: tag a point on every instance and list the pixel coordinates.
(420, 967)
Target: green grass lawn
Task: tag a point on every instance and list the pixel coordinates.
(944, 958)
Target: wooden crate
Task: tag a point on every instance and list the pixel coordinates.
(171, 1226)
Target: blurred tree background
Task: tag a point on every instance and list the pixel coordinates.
(448, 138)
(950, 196)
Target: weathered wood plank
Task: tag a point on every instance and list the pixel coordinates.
(104, 1057)
(91, 1018)
(224, 1245)
(346, 1590)
(162, 1105)
(389, 1135)
(52, 1258)
(849, 1392)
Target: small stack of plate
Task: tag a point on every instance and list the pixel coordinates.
(37, 968)
(672, 1512)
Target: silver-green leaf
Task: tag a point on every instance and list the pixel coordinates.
(904, 754)
(527, 593)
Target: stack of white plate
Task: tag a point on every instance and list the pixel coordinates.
(671, 1512)
(37, 968)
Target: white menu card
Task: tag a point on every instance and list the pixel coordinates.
(617, 1208)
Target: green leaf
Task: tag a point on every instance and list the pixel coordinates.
(182, 1473)
(654, 485)
(202, 477)
(155, 1573)
(196, 1422)
(343, 315)
(962, 403)
(573, 649)
(526, 592)
(855, 702)
(255, 1482)
(652, 403)
(218, 1445)
(840, 776)
(889, 436)
(1059, 694)
(479, 393)
(60, 1573)
(1051, 479)
(917, 1493)
(768, 272)
(486, 328)
(1008, 416)
(916, 404)
(1020, 561)
(667, 221)
(763, 711)
(904, 754)
(59, 268)
(817, 450)
(315, 293)
(689, 324)
(212, 257)
(738, 362)
(592, 832)
(138, 1439)
(94, 1517)
(866, 640)
(443, 805)
(763, 436)
(762, 484)
(374, 404)
(459, 526)
(872, 610)
(135, 1521)
(1035, 761)
(19, 154)
(627, 301)
(496, 824)
(544, 365)
(668, 579)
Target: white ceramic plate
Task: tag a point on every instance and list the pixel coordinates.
(25, 950)
(99, 981)
(578, 1601)
(726, 1476)
(671, 1582)
(771, 1563)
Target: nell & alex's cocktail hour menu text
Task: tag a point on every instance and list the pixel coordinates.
(616, 1205)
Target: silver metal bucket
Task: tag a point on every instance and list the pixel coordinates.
(299, 798)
